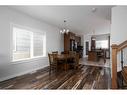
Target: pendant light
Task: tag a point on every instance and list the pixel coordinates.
(64, 30)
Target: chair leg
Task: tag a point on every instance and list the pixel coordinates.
(50, 70)
(65, 66)
(76, 67)
(57, 68)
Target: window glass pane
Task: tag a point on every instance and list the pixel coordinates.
(38, 44)
(21, 43)
(102, 44)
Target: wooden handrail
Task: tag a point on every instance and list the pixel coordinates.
(115, 49)
(122, 46)
(114, 66)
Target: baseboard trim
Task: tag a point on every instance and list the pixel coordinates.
(23, 73)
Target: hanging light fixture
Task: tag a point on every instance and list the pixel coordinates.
(93, 37)
(64, 30)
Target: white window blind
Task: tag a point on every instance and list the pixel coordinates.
(21, 47)
(38, 44)
(27, 44)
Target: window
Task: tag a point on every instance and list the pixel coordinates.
(38, 44)
(27, 44)
(102, 44)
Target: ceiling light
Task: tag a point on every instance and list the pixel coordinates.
(64, 30)
(94, 10)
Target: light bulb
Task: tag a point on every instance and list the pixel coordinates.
(64, 30)
(60, 31)
(67, 30)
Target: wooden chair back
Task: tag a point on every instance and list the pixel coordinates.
(72, 53)
(52, 62)
(55, 52)
(76, 61)
(77, 58)
(65, 52)
(54, 57)
(50, 58)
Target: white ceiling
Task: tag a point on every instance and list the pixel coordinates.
(80, 19)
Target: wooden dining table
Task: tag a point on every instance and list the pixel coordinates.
(64, 58)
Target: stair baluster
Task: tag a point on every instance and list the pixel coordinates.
(122, 65)
(122, 59)
(115, 49)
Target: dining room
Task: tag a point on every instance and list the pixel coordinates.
(46, 49)
(66, 70)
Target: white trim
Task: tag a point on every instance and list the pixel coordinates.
(28, 59)
(31, 49)
(27, 28)
(98, 34)
(14, 36)
(31, 46)
(11, 41)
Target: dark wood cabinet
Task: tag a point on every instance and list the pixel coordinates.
(66, 42)
(78, 40)
(69, 41)
(87, 47)
(93, 43)
(73, 43)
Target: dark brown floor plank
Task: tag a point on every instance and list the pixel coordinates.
(86, 77)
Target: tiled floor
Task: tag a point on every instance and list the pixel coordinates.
(100, 63)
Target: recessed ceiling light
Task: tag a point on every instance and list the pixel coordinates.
(94, 10)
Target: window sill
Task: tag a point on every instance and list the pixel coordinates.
(29, 60)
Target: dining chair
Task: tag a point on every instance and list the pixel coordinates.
(52, 62)
(72, 53)
(75, 61)
(64, 52)
(55, 52)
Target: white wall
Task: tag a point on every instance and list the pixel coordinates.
(8, 69)
(119, 25)
(119, 28)
(105, 28)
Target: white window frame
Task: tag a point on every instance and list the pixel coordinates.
(31, 47)
(15, 42)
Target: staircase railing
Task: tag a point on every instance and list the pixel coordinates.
(115, 49)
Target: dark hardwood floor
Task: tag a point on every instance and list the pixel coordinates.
(86, 77)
